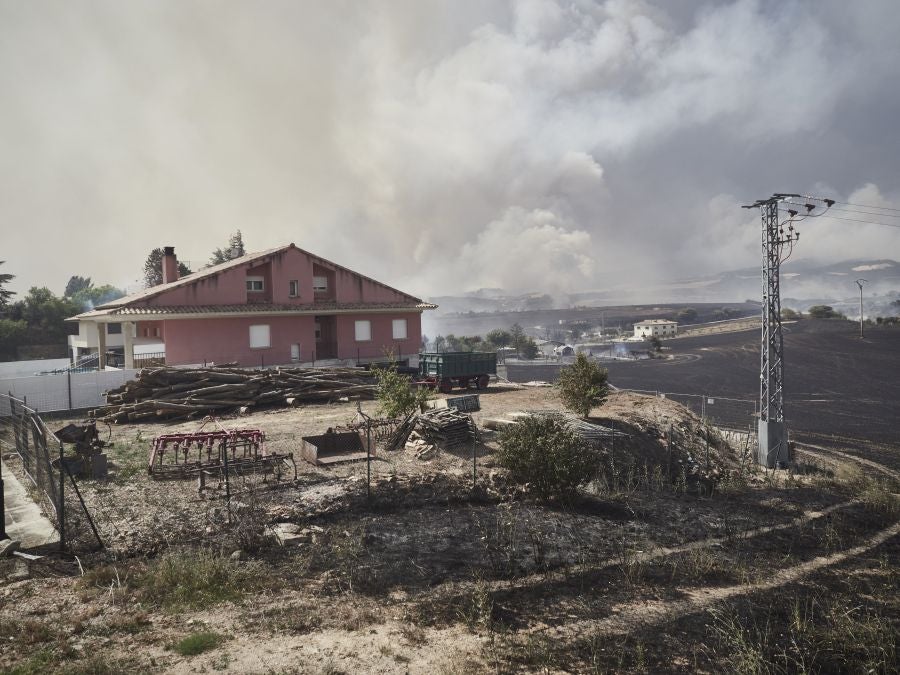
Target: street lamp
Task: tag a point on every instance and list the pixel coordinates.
(860, 282)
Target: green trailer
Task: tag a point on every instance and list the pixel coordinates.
(445, 370)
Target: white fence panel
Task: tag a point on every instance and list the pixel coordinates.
(27, 368)
(46, 393)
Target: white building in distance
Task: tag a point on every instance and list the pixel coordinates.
(655, 328)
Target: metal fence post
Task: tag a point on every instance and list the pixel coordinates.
(69, 384)
(2, 506)
(227, 482)
(368, 458)
(61, 506)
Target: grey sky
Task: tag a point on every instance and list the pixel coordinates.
(441, 146)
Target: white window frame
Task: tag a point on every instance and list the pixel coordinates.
(294, 288)
(253, 281)
(320, 284)
(362, 330)
(260, 336)
(396, 334)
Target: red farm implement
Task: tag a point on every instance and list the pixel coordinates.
(240, 451)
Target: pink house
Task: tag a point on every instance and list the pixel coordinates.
(280, 306)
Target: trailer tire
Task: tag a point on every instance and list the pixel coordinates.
(483, 381)
(445, 385)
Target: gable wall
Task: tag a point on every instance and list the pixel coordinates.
(229, 287)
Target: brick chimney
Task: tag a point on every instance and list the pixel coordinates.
(169, 265)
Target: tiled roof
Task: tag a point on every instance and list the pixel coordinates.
(190, 278)
(153, 291)
(260, 308)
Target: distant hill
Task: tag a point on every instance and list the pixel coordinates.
(803, 283)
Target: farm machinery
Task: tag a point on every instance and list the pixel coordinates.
(218, 450)
(89, 460)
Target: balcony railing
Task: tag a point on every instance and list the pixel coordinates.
(150, 360)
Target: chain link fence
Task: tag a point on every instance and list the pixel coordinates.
(45, 469)
(731, 414)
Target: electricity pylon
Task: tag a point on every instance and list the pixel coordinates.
(777, 246)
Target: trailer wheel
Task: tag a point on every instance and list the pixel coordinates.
(445, 386)
(483, 381)
(463, 382)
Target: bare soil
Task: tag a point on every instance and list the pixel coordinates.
(653, 568)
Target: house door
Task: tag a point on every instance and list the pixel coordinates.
(326, 337)
(295, 353)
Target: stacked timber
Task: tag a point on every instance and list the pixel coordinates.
(445, 426)
(173, 393)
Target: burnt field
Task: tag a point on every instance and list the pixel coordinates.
(838, 387)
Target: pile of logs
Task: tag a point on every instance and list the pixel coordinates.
(173, 393)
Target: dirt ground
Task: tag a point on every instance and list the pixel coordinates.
(668, 562)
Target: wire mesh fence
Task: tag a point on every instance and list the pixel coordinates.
(44, 466)
(734, 414)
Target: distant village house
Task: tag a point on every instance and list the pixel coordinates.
(659, 328)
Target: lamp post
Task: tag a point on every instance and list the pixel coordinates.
(860, 282)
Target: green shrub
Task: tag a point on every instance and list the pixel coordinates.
(544, 454)
(825, 312)
(582, 386)
(396, 395)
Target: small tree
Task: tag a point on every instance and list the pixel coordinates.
(582, 386)
(499, 338)
(517, 335)
(656, 343)
(235, 249)
(153, 268)
(5, 294)
(528, 349)
(544, 454)
(396, 395)
(77, 285)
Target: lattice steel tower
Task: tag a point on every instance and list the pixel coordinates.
(774, 450)
(777, 246)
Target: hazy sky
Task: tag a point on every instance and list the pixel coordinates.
(441, 146)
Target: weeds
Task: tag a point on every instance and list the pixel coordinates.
(197, 643)
(195, 579)
(631, 562)
(477, 612)
(814, 634)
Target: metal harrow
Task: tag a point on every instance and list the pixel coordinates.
(216, 451)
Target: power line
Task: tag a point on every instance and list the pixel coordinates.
(869, 222)
(866, 206)
(801, 217)
(867, 213)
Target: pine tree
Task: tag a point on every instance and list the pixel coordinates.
(5, 294)
(153, 268)
(235, 249)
